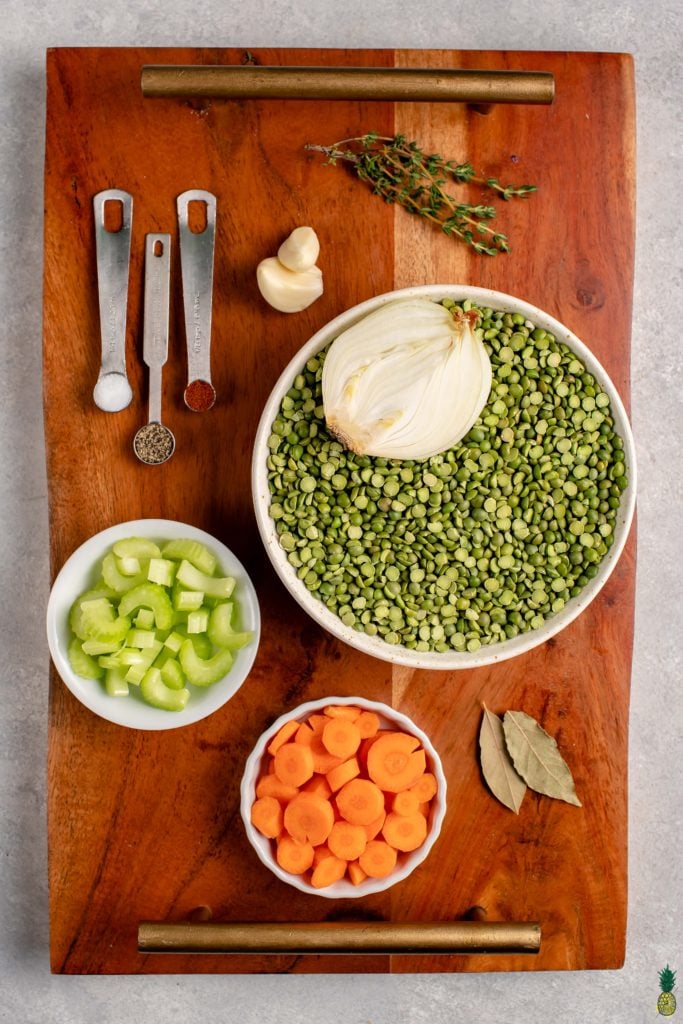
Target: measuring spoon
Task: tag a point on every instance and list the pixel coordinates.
(112, 391)
(196, 263)
(154, 443)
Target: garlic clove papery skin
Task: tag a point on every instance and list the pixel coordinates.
(407, 381)
(300, 250)
(286, 290)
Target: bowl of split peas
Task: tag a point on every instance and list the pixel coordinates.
(477, 554)
(343, 797)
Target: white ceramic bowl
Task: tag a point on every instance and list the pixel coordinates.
(81, 571)
(407, 862)
(374, 646)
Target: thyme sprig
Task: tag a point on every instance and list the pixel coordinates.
(401, 172)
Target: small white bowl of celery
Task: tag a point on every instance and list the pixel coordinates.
(153, 624)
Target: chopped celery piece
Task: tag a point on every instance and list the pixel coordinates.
(109, 661)
(97, 647)
(161, 571)
(200, 641)
(172, 674)
(212, 586)
(149, 595)
(174, 641)
(96, 609)
(136, 674)
(82, 664)
(140, 638)
(145, 619)
(220, 623)
(132, 656)
(204, 671)
(187, 600)
(162, 657)
(235, 641)
(191, 551)
(115, 579)
(159, 695)
(136, 547)
(75, 614)
(129, 566)
(98, 622)
(197, 622)
(115, 683)
(137, 656)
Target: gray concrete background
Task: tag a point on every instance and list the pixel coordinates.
(653, 32)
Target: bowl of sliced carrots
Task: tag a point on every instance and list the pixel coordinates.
(343, 797)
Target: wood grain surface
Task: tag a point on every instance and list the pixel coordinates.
(145, 826)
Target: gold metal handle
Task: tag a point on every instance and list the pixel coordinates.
(335, 83)
(379, 937)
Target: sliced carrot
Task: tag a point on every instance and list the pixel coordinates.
(294, 764)
(368, 724)
(364, 749)
(342, 711)
(319, 853)
(405, 803)
(360, 801)
(323, 760)
(270, 785)
(375, 827)
(309, 818)
(342, 774)
(346, 840)
(405, 832)
(304, 734)
(341, 737)
(282, 735)
(318, 784)
(328, 871)
(292, 856)
(425, 809)
(318, 722)
(425, 787)
(271, 765)
(356, 873)
(394, 763)
(266, 816)
(378, 859)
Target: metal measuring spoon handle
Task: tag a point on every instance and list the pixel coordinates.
(112, 391)
(196, 262)
(154, 443)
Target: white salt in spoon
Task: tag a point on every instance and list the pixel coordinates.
(112, 391)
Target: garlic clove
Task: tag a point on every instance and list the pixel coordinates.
(407, 381)
(300, 250)
(286, 290)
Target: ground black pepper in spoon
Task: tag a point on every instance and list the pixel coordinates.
(154, 443)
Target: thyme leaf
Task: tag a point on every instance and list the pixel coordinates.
(399, 171)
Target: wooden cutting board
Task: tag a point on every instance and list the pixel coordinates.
(145, 826)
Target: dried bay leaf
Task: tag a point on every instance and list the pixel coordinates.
(536, 757)
(496, 764)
